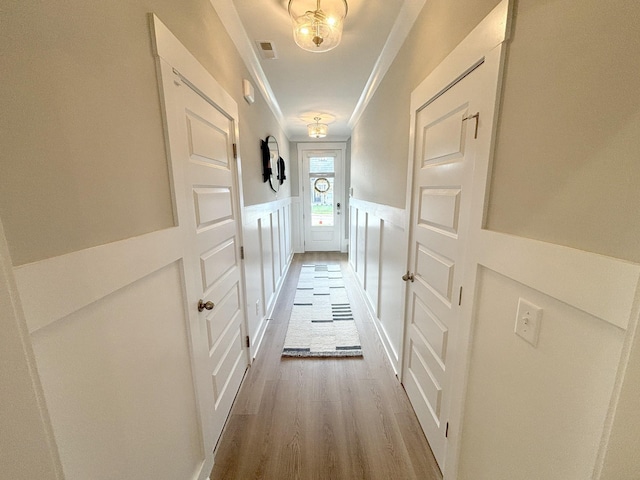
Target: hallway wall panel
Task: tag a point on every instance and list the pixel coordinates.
(111, 341)
(268, 252)
(377, 253)
(98, 170)
(563, 177)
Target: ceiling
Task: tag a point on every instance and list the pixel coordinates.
(334, 85)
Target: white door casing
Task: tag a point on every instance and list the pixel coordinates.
(201, 129)
(322, 188)
(447, 180)
(443, 168)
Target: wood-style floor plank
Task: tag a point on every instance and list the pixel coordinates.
(322, 418)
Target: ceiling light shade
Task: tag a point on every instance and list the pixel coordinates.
(317, 24)
(317, 130)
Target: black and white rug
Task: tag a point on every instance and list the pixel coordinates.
(321, 323)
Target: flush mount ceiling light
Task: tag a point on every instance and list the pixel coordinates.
(317, 28)
(317, 130)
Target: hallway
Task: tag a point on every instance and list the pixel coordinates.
(346, 418)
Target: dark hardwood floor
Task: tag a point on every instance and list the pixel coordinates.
(341, 418)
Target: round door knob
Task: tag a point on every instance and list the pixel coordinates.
(205, 305)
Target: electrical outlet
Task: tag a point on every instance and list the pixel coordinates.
(528, 321)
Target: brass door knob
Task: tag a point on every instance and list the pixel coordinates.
(205, 305)
(408, 277)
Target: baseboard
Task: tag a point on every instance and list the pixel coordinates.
(382, 335)
(262, 329)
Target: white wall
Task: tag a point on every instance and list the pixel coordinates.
(268, 248)
(97, 260)
(26, 447)
(378, 255)
(560, 399)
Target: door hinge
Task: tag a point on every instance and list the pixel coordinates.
(446, 431)
(241, 253)
(247, 342)
(460, 296)
(235, 151)
(477, 117)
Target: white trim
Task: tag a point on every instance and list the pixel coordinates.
(169, 48)
(393, 215)
(229, 17)
(174, 57)
(483, 44)
(91, 274)
(388, 217)
(10, 297)
(602, 286)
(297, 220)
(633, 332)
(311, 146)
(399, 32)
(491, 32)
(252, 213)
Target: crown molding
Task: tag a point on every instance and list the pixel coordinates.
(399, 32)
(229, 17)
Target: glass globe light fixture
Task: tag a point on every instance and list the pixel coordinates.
(317, 28)
(317, 130)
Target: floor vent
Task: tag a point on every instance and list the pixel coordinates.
(267, 50)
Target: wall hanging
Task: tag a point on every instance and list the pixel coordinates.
(271, 156)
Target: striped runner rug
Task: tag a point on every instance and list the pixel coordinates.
(321, 323)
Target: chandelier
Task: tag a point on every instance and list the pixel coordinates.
(317, 130)
(319, 29)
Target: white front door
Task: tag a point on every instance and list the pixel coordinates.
(201, 135)
(323, 203)
(443, 166)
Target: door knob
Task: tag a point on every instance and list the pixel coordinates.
(205, 305)
(408, 276)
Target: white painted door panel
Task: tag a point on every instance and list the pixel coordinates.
(205, 183)
(443, 172)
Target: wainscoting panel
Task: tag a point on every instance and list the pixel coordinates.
(377, 253)
(361, 247)
(267, 238)
(373, 260)
(114, 315)
(353, 237)
(117, 378)
(587, 304)
(297, 225)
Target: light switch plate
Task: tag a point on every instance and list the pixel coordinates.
(528, 321)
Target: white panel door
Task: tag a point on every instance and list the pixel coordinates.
(442, 177)
(205, 183)
(323, 204)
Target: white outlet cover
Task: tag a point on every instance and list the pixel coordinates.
(528, 321)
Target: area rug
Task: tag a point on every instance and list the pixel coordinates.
(321, 323)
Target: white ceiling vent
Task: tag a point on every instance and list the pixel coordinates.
(267, 50)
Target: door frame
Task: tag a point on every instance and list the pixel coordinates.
(173, 59)
(486, 45)
(318, 146)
